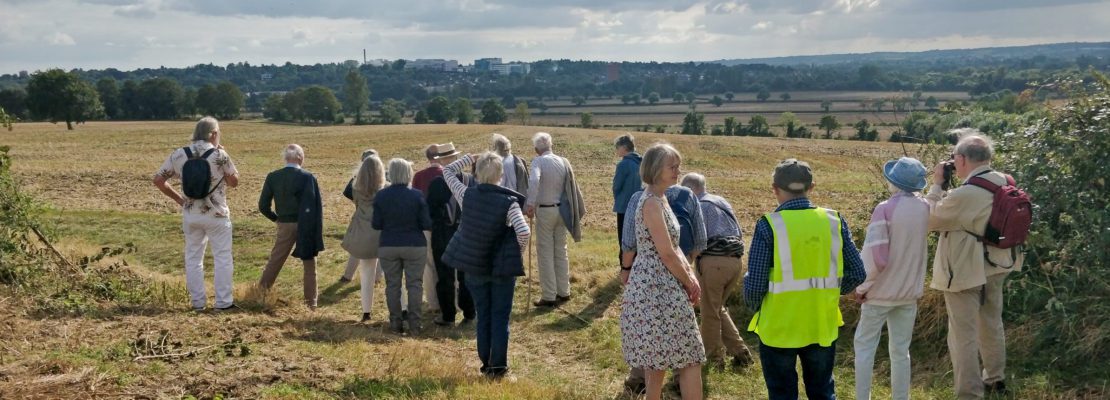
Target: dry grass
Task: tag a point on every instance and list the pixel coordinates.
(98, 178)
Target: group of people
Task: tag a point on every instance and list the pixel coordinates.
(454, 233)
(455, 236)
(681, 247)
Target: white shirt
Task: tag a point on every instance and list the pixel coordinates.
(220, 164)
(508, 175)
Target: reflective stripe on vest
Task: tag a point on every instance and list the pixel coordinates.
(782, 246)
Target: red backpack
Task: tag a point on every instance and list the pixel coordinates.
(1011, 213)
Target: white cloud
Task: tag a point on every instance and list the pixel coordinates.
(60, 39)
(762, 25)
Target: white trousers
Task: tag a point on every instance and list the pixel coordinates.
(899, 322)
(551, 251)
(200, 230)
(431, 298)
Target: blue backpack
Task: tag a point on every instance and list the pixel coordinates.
(196, 175)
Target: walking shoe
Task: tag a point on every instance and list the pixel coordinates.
(545, 303)
(466, 320)
(562, 299)
(442, 322)
(365, 317)
(997, 388)
(231, 307)
(742, 360)
(344, 279)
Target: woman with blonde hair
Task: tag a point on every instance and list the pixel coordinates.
(658, 327)
(361, 239)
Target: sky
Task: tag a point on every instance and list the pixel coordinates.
(129, 34)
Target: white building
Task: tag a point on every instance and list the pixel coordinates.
(433, 64)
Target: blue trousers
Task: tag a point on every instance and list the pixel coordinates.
(782, 378)
(493, 303)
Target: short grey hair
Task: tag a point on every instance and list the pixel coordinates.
(694, 181)
(973, 145)
(400, 172)
(542, 141)
(655, 161)
(293, 152)
(626, 141)
(204, 129)
(488, 168)
(500, 144)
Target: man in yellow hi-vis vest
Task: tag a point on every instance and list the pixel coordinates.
(801, 261)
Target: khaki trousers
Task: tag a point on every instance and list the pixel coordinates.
(551, 251)
(719, 278)
(284, 241)
(975, 330)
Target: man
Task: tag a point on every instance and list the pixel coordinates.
(515, 175)
(719, 272)
(297, 211)
(206, 217)
(970, 273)
(446, 214)
(682, 201)
(556, 202)
(420, 181)
(801, 261)
(626, 180)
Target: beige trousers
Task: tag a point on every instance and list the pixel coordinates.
(975, 331)
(551, 251)
(284, 241)
(719, 277)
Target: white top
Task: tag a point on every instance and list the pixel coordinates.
(220, 164)
(508, 175)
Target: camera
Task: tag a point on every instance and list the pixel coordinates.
(949, 173)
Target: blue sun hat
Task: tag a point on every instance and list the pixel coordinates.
(906, 173)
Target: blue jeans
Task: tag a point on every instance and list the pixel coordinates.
(782, 378)
(493, 303)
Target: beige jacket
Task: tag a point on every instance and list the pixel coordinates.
(959, 263)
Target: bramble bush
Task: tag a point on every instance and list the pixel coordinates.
(1061, 162)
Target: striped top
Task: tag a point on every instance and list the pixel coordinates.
(514, 218)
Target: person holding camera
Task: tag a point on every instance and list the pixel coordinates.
(968, 271)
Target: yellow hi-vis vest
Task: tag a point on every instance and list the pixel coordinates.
(802, 304)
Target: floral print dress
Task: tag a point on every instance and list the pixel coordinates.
(658, 328)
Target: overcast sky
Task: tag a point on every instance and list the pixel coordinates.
(128, 34)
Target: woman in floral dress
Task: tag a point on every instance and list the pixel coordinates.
(658, 328)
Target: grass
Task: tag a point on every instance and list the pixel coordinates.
(97, 180)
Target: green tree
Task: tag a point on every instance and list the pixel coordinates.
(865, 132)
(785, 96)
(732, 126)
(14, 100)
(110, 98)
(587, 120)
(391, 112)
(224, 100)
(932, 103)
(693, 123)
(691, 98)
(829, 124)
(493, 113)
(653, 98)
(161, 98)
(318, 104)
(826, 105)
(6, 120)
(521, 113)
(464, 112)
(763, 95)
(356, 94)
(758, 126)
(578, 100)
(678, 97)
(439, 110)
(274, 109)
(56, 95)
(729, 96)
(421, 117)
(790, 123)
(717, 101)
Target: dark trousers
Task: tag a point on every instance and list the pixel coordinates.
(445, 286)
(620, 235)
(493, 300)
(782, 379)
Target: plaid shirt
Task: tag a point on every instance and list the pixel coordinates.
(762, 253)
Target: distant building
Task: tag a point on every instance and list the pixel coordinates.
(433, 64)
(612, 72)
(512, 68)
(267, 76)
(486, 64)
(377, 62)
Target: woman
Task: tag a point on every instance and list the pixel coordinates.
(658, 327)
(349, 193)
(488, 247)
(361, 240)
(402, 217)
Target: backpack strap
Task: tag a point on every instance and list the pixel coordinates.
(208, 153)
(188, 152)
(981, 182)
